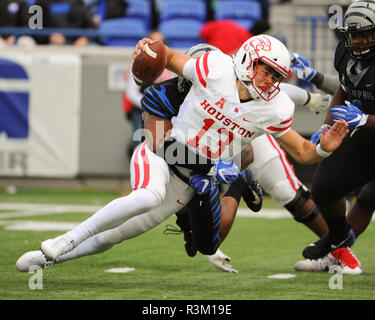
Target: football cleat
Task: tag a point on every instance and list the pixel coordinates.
(53, 248)
(253, 195)
(347, 260)
(321, 264)
(323, 246)
(33, 258)
(317, 249)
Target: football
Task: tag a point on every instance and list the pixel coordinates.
(149, 64)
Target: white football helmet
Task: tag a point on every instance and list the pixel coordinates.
(264, 49)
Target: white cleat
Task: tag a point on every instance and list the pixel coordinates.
(321, 264)
(32, 258)
(53, 248)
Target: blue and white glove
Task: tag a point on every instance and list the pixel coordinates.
(353, 116)
(315, 138)
(301, 67)
(224, 172)
(201, 182)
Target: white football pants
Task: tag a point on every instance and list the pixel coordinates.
(151, 174)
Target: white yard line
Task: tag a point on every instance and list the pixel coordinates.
(34, 209)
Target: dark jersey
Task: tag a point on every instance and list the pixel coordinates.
(360, 88)
(163, 99)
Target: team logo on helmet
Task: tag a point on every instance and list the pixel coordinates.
(261, 44)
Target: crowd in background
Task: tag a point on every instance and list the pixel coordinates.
(89, 14)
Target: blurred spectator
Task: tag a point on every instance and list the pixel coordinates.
(134, 93)
(13, 13)
(65, 14)
(226, 35)
(262, 25)
(108, 9)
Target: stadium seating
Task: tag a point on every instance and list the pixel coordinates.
(245, 13)
(183, 9)
(140, 9)
(58, 8)
(124, 31)
(181, 33)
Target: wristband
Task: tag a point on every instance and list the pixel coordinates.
(317, 80)
(321, 152)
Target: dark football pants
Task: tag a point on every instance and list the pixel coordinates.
(349, 167)
(204, 217)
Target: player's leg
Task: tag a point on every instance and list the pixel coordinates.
(360, 214)
(178, 194)
(277, 178)
(149, 177)
(334, 179)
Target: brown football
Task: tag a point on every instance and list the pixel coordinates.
(149, 64)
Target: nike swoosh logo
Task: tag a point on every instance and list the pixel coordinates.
(206, 182)
(246, 120)
(220, 172)
(357, 118)
(179, 202)
(333, 247)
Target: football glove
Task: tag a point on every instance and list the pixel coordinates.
(318, 102)
(301, 67)
(315, 138)
(219, 259)
(200, 182)
(224, 172)
(353, 116)
(253, 195)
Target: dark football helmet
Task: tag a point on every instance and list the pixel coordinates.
(359, 29)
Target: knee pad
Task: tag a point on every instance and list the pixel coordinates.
(282, 192)
(295, 206)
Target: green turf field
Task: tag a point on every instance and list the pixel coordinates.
(258, 247)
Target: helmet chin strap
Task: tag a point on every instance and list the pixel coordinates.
(253, 93)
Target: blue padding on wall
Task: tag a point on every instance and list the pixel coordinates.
(14, 114)
(11, 70)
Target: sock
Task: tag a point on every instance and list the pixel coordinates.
(338, 229)
(96, 244)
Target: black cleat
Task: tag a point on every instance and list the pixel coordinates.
(323, 246)
(317, 249)
(252, 194)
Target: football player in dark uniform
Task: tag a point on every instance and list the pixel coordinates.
(353, 163)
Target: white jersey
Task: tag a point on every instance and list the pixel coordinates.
(213, 121)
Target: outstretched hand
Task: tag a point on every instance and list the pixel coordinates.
(330, 140)
(219, 260)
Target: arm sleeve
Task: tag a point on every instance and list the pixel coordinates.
(326, 83)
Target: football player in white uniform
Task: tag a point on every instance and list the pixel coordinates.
(230, 104)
